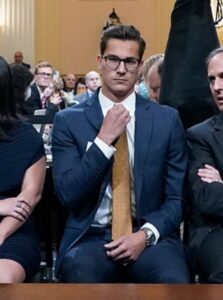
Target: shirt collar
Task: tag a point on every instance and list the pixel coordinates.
(129, 103)
(40, 91)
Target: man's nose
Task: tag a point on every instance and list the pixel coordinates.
(121, 68)
(218, 84)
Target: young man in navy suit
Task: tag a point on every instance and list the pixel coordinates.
(83, 147)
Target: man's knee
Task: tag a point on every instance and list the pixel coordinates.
(212, 277)
(173, 276)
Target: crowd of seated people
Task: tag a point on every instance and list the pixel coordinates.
(85, 142)
(50, 92)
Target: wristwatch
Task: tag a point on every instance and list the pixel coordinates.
(150, 237)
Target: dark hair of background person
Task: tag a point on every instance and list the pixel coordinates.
(124, 33)
(80, 80)
(8, 114)
(21, 79)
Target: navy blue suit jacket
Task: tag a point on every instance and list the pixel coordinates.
(81, 176)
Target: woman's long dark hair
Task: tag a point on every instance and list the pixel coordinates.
(7, 101)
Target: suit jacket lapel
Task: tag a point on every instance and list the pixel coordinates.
(36, 94)
(143, 129)
(218, 132)
(95, 116)
(93, 112)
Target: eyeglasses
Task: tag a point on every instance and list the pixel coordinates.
(43, 74)
(113, 62)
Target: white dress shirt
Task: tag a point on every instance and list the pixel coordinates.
(103, 215)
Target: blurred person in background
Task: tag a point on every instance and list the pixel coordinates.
(18, 60)
(41, 89)
(80, 86)
(93, 82)
(21, 78)
(151, 73)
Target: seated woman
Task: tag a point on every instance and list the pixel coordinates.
(80, 86)
(22, 169)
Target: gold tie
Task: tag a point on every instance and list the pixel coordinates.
(121, 193)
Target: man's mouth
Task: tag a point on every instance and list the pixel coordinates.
(120, 80)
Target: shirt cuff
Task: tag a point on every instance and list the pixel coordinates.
(153, 229)
(108, 151)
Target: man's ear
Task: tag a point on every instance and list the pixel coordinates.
(140, 65)
(140, 69)
(99, 59)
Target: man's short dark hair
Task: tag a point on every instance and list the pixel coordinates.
(124, 33)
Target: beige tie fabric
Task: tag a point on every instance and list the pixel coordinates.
(121, 193)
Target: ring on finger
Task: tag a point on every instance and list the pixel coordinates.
(18, 204)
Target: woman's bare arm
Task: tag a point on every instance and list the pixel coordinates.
(17, 209)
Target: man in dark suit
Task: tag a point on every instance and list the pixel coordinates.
(84, 143)
(41, 90)
(18, 59)
(205, 240)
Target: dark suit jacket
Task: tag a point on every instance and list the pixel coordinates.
(206, 147)
(26, 65)
(34, 102)
(81, 176)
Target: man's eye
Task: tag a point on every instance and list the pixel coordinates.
(130, 62)
(113, 59)
(211, 79)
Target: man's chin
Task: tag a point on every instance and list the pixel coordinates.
(122, 93)
(220, 106)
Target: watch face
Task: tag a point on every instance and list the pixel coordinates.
(151, 239)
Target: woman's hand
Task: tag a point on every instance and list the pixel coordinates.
(55, 99)
(16, 207)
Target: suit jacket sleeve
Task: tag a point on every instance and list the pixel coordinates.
(207, 198)
(78, 174)
(168, 216)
